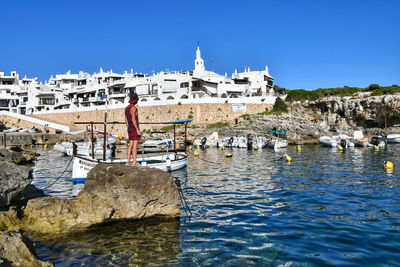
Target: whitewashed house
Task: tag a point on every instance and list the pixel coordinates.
(83, 90)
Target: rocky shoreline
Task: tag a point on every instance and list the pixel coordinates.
(112, 193)
(308, 120)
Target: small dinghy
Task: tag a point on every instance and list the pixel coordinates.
(393, 138)
(329, 141)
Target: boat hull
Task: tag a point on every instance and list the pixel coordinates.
(327, 141)
(393, 138)
(81, 165)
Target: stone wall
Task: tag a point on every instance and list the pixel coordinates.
(202, 114)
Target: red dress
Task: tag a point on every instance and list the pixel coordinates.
(132, 133)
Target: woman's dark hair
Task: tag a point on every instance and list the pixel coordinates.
(133, 96)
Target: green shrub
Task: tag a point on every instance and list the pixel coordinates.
(167, 128)
(245, 116)
(388, 90)
(279, 106)
(373, 87)
(217, 125)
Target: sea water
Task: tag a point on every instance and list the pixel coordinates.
(324, 208)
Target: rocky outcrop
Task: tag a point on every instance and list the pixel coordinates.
(18, 156)
(111, 193)
(308, 120)
(16, 250)
(14, 183)
(348, 113)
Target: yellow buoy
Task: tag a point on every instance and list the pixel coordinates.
(388, 165)
(196, 153)
(228, 155)
(255, 147)
(298, 149)
(223, 148)
(190, 147)
(376, 148)
(288, 159)
(120, 136)
(45, 146)
(162, 147)
(340, 148)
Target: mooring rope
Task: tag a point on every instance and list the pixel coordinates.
(182, 197)
(61, 175)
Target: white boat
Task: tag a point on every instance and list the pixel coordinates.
(166, 162)
(63, 146)
(158, 142)
(379, 141)
(239, 142)
(211, 141)
(225, 142)
(277, 143)
(329, 141)
(84, 148)
(12, 130)
(393, 138)
(260, 141)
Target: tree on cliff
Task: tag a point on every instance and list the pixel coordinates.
(279, 106)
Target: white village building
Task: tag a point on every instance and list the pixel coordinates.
(83, 91)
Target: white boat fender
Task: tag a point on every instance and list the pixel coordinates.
(144, 162)
(168, 161)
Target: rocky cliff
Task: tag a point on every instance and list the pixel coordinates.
(308, 120)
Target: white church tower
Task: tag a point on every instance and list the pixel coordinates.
(199, 68)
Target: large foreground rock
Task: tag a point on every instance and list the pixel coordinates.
(16, 250)
(111, 192)
(14, 182)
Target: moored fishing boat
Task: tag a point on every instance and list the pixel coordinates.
(166, 161)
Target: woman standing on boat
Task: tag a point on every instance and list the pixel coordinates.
(132, 123)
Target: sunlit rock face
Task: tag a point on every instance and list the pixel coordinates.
(16, 250)
(111, 193)
(14, 180)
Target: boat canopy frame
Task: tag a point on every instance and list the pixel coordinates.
(92, 123)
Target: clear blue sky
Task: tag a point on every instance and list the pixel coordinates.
(306, 44)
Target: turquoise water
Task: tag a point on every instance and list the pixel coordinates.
(323, 208)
